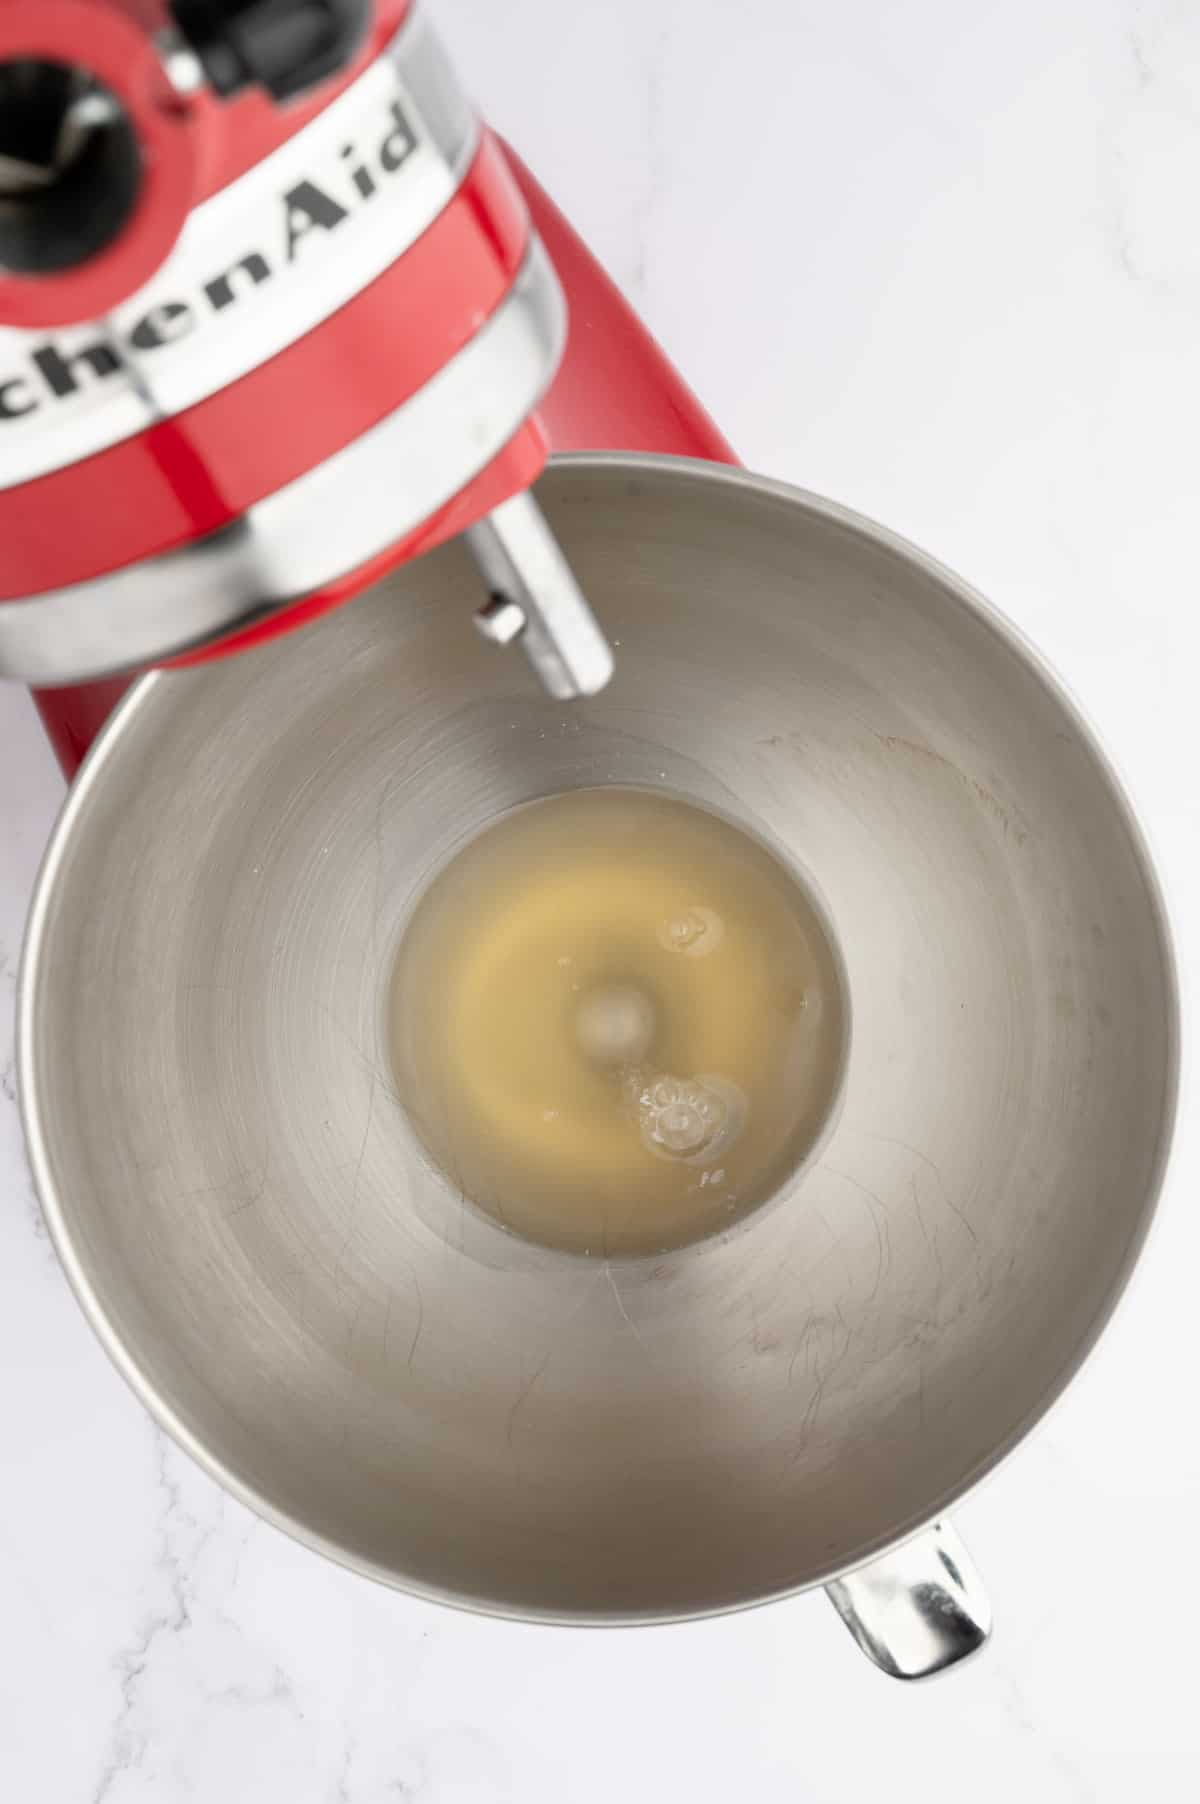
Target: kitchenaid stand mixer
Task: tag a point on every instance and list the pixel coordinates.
(262, 344)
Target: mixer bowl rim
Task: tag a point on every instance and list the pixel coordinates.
(140, 1378)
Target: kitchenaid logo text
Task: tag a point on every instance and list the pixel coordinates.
(299, 222)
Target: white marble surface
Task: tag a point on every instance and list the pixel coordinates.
(942, 262)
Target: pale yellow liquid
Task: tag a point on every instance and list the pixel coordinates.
(618, 1023)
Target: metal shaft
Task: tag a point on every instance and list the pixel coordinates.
(536, 599)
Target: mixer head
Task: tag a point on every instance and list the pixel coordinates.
(273, 318)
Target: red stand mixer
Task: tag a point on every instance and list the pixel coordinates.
(276, 314)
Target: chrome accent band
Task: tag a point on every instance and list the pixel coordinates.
(315, 529)
(258, 265)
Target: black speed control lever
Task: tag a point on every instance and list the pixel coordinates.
(284, 46)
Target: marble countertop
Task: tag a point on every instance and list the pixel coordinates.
(941, 263)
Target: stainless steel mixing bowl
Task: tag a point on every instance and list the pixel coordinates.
(349, 1346)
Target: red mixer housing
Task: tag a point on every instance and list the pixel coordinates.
(276, 313)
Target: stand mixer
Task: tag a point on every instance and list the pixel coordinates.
(281, 327)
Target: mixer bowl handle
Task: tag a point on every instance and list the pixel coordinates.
(918, 1609)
